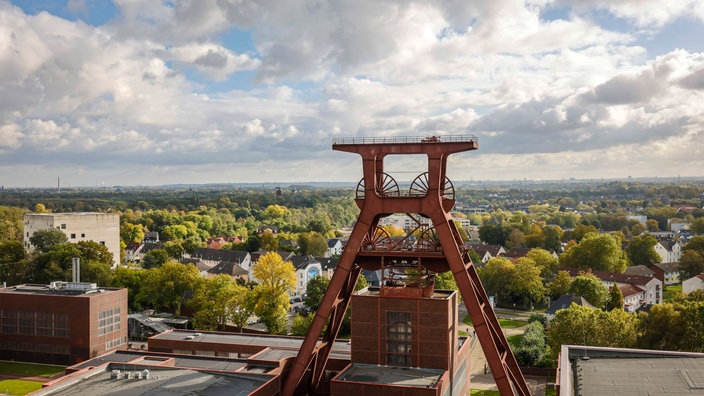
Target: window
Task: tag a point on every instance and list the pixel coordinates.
(398, 338)
(63, 226)
(83, 235)
(73, 236)
(102, 243)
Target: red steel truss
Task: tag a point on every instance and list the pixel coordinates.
(439, 249)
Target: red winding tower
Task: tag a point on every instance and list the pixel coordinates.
(411, 264)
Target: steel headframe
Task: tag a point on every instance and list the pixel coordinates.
(376, 202)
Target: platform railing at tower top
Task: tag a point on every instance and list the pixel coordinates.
(404, 139)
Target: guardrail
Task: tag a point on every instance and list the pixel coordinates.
(404, 139)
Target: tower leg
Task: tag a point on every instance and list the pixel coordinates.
(508, 376)
(331, 311)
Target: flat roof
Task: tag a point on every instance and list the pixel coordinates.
(374, 291)
(161, 382)
(639, 376)
(145, 358)
(37, 289)
(591, 371)
(245, 339)
(391, 375)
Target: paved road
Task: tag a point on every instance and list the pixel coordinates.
(480, 375)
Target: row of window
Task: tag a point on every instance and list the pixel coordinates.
(46, 324)
(108, 321)
(33, 347)
(115, 343)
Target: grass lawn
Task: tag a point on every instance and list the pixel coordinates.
(515, 340)
(511, 323)
(19, 387)
(29, 369)
(671, 291)
(504, 323)
(484, 392)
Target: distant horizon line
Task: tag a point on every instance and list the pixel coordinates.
(284, 184)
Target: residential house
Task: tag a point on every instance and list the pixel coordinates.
(633, 297)
(215, 242)
(668, 273)
(135, 251)
(639, 270)
(516, 252)
(564, 302)
(651, 285)
(234, 263)
(328, 265)
(307, 268)
(694, 283)
(669, 250)
(487, 252)
(274, 229)
(230, 269)
(334, 247)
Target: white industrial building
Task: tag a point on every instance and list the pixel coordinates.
(103, 228)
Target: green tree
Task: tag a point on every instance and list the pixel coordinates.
(301, 324)
(695, 243)
(560, 284)
(312, 243)
(44, 240)
(652, 225)
(155, 258)
(40, 208)
(315, 290)
(131, 232)
(615, 298)
(697, 225)
(553, 238)
(641, 250)
(492, 234)
(600, 252)
(579, 325)
(242, 307)
(11, 223)
(691, 264)
(277, 279)
(526, 284)
(662, 328)
(11, 251)
(533, 346)
(169, 285)
(132, 279)
(544, 260)
(269, 241)
(590, 287)
(495, 276)
(212, 302)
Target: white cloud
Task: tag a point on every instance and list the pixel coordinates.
(544, 96)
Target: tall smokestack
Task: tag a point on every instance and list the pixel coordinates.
(76, 269)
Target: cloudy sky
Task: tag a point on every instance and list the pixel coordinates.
(147, 92)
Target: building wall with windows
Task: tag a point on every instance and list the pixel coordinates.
(62, 323)
(103, 228)
(393, 328)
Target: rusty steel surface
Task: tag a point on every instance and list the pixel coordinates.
(439, 249)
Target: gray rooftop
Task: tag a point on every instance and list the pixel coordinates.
(595, 371)
(161, 381)
(639, 376)
(246, 339)
(391, 375)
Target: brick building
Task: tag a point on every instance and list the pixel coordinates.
(61, 323)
